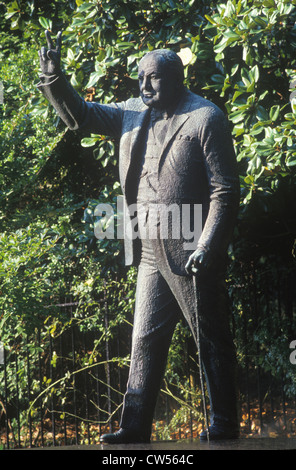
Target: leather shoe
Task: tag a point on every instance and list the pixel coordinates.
(123, 436)
(218, 433)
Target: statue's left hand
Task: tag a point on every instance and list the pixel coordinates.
(200, 259)
(50, 57)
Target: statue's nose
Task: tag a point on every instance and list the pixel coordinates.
(146, 84)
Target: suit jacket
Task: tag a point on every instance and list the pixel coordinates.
(197, 163)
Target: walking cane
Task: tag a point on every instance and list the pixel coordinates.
(197, 310)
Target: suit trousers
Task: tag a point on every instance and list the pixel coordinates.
(162, 299)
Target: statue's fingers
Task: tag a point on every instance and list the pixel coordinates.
(43, 53)
(50, 55)
(49, 40)
(195, 260)
(59, 41)
(188, 266)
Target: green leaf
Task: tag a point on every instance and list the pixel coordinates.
(171, 22)
(45, 23)
(254, 73)
(274, 112)
(261, 113)
(125, 45)
(291, 161)
(94, 78)
(236, 116)
(217, 78)
(210, 19)
(221, 46)
(249, 179)
(231, 34)
(84, 6)
(89, 141)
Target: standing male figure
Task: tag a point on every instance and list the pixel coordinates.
(175, 148)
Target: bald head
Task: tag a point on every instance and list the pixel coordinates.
(171, 62)
(161, 75)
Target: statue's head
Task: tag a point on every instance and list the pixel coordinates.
(161, 76)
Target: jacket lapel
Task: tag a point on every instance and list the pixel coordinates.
(133, 157)
(179, 118)
(140, 124)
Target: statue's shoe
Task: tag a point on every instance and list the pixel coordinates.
(124, 436)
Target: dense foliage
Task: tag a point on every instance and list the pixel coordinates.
(241, 55)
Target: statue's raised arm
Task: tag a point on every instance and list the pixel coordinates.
(75, 112)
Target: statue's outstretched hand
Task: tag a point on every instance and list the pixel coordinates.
(50, 57)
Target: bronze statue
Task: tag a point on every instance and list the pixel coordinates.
(175, 148)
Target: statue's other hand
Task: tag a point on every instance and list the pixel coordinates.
(200, 259)
(50, 57)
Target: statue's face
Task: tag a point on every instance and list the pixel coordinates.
(157, 85)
